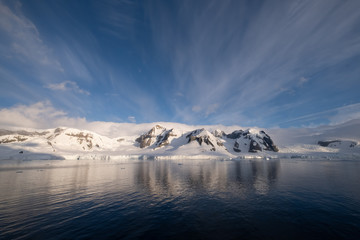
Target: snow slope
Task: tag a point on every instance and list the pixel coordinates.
(174, 140)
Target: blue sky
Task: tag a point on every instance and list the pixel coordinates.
(249, 63)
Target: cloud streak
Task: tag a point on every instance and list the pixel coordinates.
(334, 116)
(67, 86)
(204, 62)
(242, 54)
(23, 39)
(72, 58)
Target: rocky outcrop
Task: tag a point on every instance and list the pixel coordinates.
(82, 137)
(327, 143)
(254, 146)
(157, 137)
(252, 141)
(56, 133)
(164, 138)
(236, 134)
(236, 147)
(19, 135)
(203, 136)
(268, 142)
(154, 135)
(219, 133)
(11, 139)
(337, 143)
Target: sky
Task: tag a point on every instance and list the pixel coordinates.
(278, 63)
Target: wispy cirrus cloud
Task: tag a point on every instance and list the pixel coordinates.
(29, 62)
(72, 60)
(204, 62)
(334, 116)
(67, 86)
(22, 41)
(345, 113)
(242, 54)
(117, 17)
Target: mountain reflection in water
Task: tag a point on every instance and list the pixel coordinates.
(214, 177)
(177, 199)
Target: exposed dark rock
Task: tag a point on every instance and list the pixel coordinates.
(254, 146)
(236, 147)
(148, 138)
(218, 133)
(81, 137)
(268, 142)
(163, 138)
(144, 141)
(50, 144)
(11, 139)
(256, 141)
(235, 134)
(337, 143)
(57, 132)
(326, 143)
(201, 137)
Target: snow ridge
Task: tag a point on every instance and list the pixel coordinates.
(168, 141)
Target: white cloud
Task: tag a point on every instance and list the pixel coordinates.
(132, 119)
(60, 86)
(67, 86)
(40, 115)
(43, 115)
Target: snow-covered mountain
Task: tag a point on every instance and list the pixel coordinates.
(202, 136)
(157, 137)
(167, 140)
(251, 141)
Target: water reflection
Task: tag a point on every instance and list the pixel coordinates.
(172, 177)
(58, 180)
(118, 199)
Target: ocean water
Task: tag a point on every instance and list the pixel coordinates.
(180, 199)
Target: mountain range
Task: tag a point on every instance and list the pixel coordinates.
(172, 140)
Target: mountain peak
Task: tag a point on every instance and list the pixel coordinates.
(252, 140)
(174, 139)
(149, 138)
(204, 136)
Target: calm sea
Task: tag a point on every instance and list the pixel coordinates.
(180, 199)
